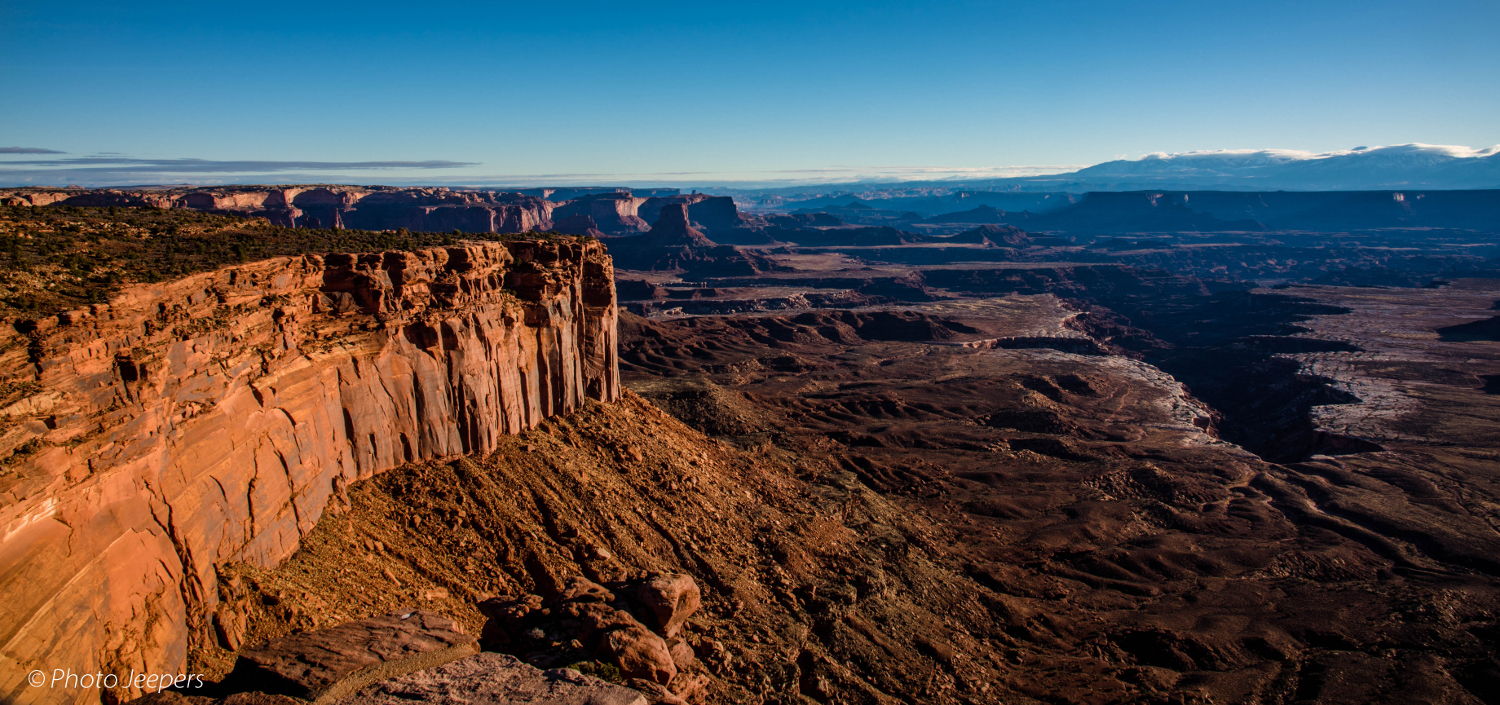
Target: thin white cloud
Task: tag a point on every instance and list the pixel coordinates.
(28, 150)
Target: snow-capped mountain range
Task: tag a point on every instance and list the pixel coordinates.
(1396, 166)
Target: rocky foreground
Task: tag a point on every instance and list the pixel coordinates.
(972, 482)
(966, 503)
(216, 418)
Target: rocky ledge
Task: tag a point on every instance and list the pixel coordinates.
(217, 417)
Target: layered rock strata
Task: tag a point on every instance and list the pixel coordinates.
(673, 243)
(362, 207)
(614, 213)
(215, 418)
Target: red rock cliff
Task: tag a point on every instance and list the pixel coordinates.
(217, 417)
(364, 207)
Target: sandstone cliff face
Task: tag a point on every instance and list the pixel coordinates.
(215, 419)
(650, 211)
(614, 213)
(367, 208)
(713, 213)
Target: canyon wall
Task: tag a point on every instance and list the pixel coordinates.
(215, 418)
(613, 213)
(362, 207)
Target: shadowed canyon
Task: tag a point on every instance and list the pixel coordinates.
(1142, 447)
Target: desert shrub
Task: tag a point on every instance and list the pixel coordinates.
(58, 257)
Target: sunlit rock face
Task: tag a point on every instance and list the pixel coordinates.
(360, 207)
(217, 417)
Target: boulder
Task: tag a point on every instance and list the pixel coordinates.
(579, 589)
(506, 614)
(594, 618)
(639, 654)
(229, 627)
(325, 665)
(682, 653)
(510, 609)
(672, 598)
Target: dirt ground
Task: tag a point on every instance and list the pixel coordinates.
(879, 513)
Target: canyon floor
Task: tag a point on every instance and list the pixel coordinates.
(1054, 473)
(1003, 497)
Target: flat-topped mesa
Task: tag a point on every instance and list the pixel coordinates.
(327, 206)
(673, 229)
(715, 213)
(614, 213)
(216, 417)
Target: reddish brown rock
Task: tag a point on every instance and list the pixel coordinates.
(682, 653)
(655, 693)
(673, 229)
(584, 590)
(614, 213)
(505, 615)
(510, 610)
(216, 417)
(595, 618)
(672, 598)
(495, 679)
(364, 207)
(692, 688)
(639, 654)
(229, 626)
(168, 697)
(650, 210)
(328, 664)
(577, 225)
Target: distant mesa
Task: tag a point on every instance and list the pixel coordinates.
(673, 229)
(328, 206)
(650, 210)
(614, 213)
(674, 243)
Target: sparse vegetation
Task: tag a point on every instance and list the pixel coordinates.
(58, 257)
(603, 671)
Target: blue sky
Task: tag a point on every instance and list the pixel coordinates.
(696, 92)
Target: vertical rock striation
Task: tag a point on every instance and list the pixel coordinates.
(215, 418)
